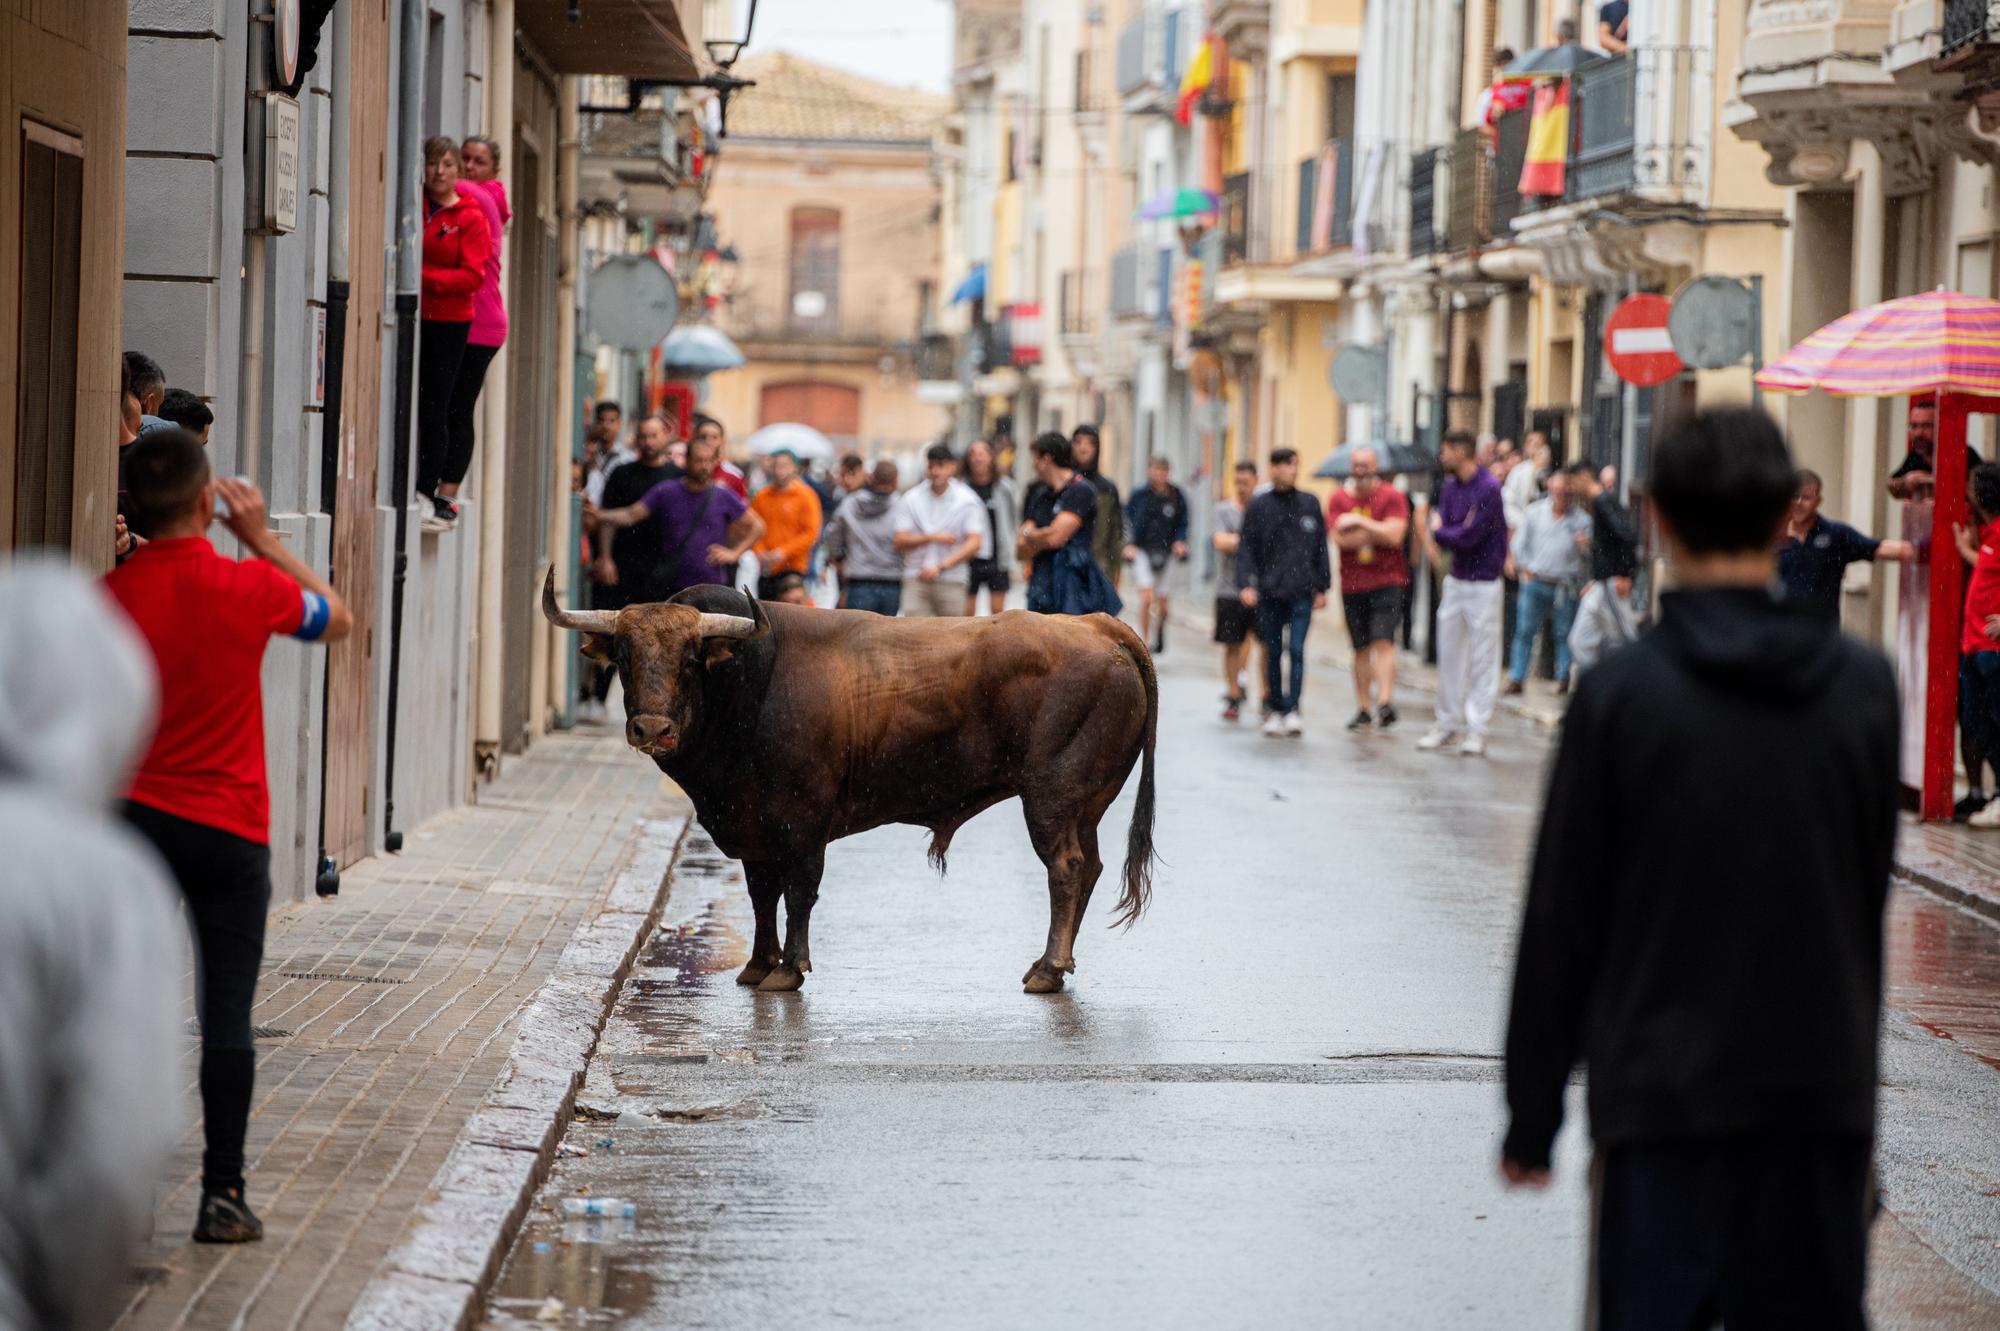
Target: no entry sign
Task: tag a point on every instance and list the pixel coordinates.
(1637, 344)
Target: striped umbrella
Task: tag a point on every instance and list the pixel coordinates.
(1940, 341)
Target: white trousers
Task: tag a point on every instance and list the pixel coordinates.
(1468, 654)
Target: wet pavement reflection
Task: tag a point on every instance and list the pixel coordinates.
(1276, 1099)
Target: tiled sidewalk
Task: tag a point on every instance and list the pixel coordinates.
(390, 1010)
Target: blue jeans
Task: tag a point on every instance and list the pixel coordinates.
(1537, 602)
(884, 598)
(1274, 615)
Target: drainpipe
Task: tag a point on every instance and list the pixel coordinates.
(409, 285)
(327, 882)
(566, 509)
(256, 256)
(1864, 415)
(493, 437)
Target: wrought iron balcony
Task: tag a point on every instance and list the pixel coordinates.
(1127, 300)
(1151, 57)
(1236, 218)
(1510, 155)
(1633, 123)
(1423, 200)
(1469, 221)
(1968, 23)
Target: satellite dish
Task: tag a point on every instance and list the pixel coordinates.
(1713, 323)
(633, 302)
(1360, 375)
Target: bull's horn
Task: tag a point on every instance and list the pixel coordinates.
(726, 626)
(576, 621)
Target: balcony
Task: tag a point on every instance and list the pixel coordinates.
(1127, 302)
(1639, 126)
(1244, 24)
(1152, 54)
(936, 357)
(1325, 208)
(1510, 155)
(1967, 24)
(1603, 143)
(1423, 201)
(1235, 218)
(1468, 223)
(1077, 319)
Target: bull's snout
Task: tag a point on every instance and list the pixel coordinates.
(650, 734)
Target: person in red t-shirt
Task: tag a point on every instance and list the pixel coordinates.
(200, 796)
(457, 245)
(1369, 521)
(1979, 637)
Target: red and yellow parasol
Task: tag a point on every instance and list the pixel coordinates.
(1940, 341)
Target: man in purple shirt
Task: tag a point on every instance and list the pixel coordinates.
(1470, 527)
(705, 529)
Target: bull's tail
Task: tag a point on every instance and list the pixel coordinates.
(1139, 854)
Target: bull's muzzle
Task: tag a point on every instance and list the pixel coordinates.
(651, 734)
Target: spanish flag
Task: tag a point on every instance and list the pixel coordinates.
(1548, 141)
(1200, 71)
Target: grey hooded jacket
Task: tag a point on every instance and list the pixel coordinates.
(90, 955)
(862, 536)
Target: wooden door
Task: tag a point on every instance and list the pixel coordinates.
(350, 711)
(832, 409)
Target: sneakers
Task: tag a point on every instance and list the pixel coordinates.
(226, 1218)
(1385, 716)
(443, 515)
(1439, 741)
(1986, 817)
(1472, 746)
(1274, 726)
(1295, 725)
(1362, 720)
(1970, 803)
(1232, 706)
(1513, 689)
(591, 712)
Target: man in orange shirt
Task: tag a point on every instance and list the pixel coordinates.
(791, 516)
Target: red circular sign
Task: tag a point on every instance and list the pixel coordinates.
(1636, 342)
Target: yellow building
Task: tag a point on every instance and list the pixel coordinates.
(828, 198)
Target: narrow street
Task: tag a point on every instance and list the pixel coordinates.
(1276, 1099)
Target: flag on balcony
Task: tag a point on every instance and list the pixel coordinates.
(1200, 72)
(1548, 141)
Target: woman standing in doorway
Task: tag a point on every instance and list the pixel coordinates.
(457, 245)
(481, 161)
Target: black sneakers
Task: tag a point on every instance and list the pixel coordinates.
(227, 1218)
(1385, 716)
(1362, 720)
(443, 515)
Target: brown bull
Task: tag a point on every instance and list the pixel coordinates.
(791, 727)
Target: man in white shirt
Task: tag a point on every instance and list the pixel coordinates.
(940, 528)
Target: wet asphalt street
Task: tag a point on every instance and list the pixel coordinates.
(1274, 1102)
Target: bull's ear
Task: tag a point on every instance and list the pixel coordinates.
(717, 652)
(597, 646)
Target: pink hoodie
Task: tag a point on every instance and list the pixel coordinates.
(489, 306)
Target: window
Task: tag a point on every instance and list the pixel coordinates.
(1340, 107)
(51, 285)
(815, 270)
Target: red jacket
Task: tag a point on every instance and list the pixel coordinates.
(456, 248)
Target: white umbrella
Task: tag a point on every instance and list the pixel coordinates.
(698, 349)
(801, 441)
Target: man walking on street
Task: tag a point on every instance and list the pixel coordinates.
(1370, 520)
(1156, 523)
(202, 795)
(1551, 558)
(940, 529)
(1469, 527)
(1234, 621)
(1716, 841)
(992, 571)
(625, 562)
(1285, 574)
(1107, 538)
(790, 512)
(1814, 552)
(1062, 516)
(705, 530)
(861, 544)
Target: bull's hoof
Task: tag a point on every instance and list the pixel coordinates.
(753, 973)
(782, 980)
(1042, 979)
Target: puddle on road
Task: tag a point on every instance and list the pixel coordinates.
(567, 1272)
(1943, 969)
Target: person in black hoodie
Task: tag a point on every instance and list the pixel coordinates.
(1284, 573)
(1703, 927)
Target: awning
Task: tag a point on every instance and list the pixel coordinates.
(973, 287)
(638, 39)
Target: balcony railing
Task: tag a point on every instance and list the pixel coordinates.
(937, 356)
(1469, 223)
(1603, 140)
(1152, 54)
(1127, 301)
(1078, 319)
(1510, 154)
(1423, 200)
(1640, 122)
(1236, 218)
(1966, 23)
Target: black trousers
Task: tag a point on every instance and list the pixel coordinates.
(472, 369)
(599, 674)
(439, 352)
(226, 882)
(1749, 1233)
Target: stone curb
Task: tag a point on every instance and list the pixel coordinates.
(438, 1276)
(1934, 876)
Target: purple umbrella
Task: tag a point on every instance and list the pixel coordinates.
(1183, 202)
